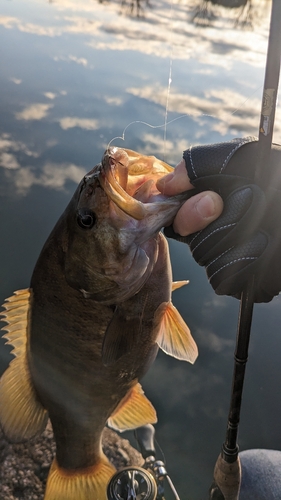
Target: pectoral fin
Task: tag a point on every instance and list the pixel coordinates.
(133, 411)
(21, 414)
(120, 337)
(174, 337)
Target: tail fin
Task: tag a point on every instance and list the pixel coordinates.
(85, 484)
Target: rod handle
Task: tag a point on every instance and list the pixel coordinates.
(227, 477)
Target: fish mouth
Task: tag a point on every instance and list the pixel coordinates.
(129, 180)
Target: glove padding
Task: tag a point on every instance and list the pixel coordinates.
(246, 238)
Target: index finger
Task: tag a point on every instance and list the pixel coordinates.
(176, 182)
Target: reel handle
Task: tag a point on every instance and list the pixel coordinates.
(145, 438)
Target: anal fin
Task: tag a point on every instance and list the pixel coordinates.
(79, 484)
(21, 414)
(133, 411)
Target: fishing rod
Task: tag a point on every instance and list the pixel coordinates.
(227, 473)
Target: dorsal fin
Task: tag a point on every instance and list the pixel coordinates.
(133, 411)
(174, 337)
(16, 315)
(21, 414)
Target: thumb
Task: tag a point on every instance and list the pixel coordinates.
(198, 212)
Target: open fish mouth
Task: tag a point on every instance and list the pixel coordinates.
(129, 180)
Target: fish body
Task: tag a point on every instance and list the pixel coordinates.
(90, 325)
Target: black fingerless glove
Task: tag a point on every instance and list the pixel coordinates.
(246, 238)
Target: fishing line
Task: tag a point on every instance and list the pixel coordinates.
(168, 94)
(185, 115)
(122, 137)
(160, 449)
(170, 42)
(246, 100)
(167, 107)
(169, 80)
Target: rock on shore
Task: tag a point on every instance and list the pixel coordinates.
(24, 467)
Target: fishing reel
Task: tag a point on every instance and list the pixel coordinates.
(132, 483)
(142, 483)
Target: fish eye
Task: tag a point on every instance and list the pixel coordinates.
(86, 218)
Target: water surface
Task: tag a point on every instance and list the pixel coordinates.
(73, 77)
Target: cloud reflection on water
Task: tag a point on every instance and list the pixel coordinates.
(54, 176)
(84, 123)
(50, 95)
(8, 150)
(230, 110)
(51, 175)
(35, 111)
(16, 81)
(9, 161)
(209, 339)
(77, 60)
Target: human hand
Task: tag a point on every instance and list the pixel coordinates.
(246, 238)
(198, 211)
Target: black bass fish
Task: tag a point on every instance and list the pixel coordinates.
(88, 328)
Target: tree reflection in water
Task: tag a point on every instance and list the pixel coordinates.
(206, 11)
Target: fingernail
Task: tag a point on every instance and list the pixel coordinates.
(164, 180)
(206, 206)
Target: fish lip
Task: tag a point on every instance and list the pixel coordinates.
(133, 207)
(117, 194)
